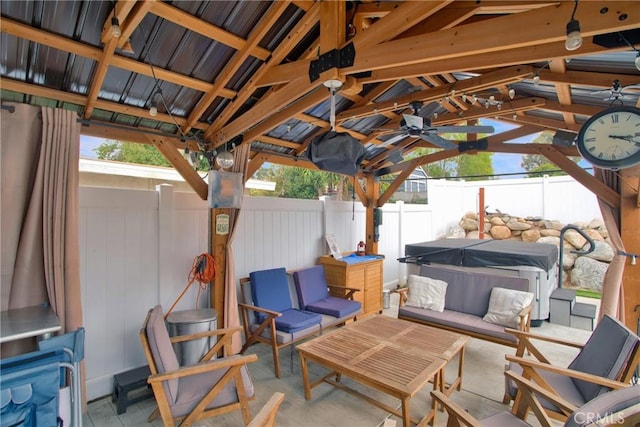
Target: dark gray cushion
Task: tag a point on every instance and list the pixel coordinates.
(469, 291)
(193, 388)
(454, 319)
(604, 354)
(162, 350)
(560, 383)
(503, 419)
(611, 404)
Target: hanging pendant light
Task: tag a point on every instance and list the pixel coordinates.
(574, 38)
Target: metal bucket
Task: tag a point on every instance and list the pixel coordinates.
(190, 322)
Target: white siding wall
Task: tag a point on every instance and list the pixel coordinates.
(137, 247)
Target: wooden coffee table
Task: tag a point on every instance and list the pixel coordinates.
(396, 357)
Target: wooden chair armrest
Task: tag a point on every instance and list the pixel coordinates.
(454, 410)
(531, 364)
(259, 309)
(341, 289)
(525, 342)
(212, 365)
(267, 414)
(529, 335)
(403, 294)
(530, 392)
(215, 332)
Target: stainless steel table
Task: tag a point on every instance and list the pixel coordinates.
(28, 322)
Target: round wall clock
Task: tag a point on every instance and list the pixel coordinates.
(610, 139)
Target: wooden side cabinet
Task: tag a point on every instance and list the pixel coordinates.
(365, 275)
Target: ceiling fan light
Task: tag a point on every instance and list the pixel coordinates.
(115, 27)
(574, 39)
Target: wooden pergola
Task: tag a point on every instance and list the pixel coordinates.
(230, 73)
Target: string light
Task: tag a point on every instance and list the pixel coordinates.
(574, 38)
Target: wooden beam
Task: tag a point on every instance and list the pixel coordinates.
(479, 112)
(275, 101)
(181, 165)
(423, 160)
(542, 123)
(544, 25)
(630, 232)
(551, 152)
(362, 195)
(397, 182)
(478, 62)
(99, 75)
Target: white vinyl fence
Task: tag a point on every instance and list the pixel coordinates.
(137, 246)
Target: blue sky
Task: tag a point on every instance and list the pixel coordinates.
(87, 145)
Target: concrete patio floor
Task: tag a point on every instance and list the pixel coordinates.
(481, 394)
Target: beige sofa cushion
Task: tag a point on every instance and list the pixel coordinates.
(425, 292)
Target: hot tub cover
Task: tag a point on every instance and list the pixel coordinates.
(482, 253)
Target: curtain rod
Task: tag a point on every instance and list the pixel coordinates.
(87, 122)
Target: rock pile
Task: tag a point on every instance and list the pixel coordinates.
(582, 271)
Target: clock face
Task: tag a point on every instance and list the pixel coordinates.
(610, 139)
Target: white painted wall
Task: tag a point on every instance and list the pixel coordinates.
(137, 247)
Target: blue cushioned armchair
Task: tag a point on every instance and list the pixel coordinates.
(273, 312)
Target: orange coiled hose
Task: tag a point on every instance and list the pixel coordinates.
(203, 271)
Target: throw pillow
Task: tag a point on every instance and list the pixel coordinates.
(504, 306)
(425, 292)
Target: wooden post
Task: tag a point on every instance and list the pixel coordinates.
(630, 232)
(372, 192)
(218, 248)
(481, 213)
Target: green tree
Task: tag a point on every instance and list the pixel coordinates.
(463, 165)
(538, 165)
(475, 167)
(129, 152)
(142, 154)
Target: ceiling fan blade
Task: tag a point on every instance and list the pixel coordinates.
(461, 129)
(413, 122)
(393, 140)
(439, 142)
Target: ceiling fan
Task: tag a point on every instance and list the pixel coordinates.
(418, 126)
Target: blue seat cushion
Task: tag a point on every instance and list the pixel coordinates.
(334, 306)
(311, 285)
(293, 320)
(270, 290)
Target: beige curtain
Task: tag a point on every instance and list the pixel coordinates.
(231, 315)
(40, 259)
(612, 302)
